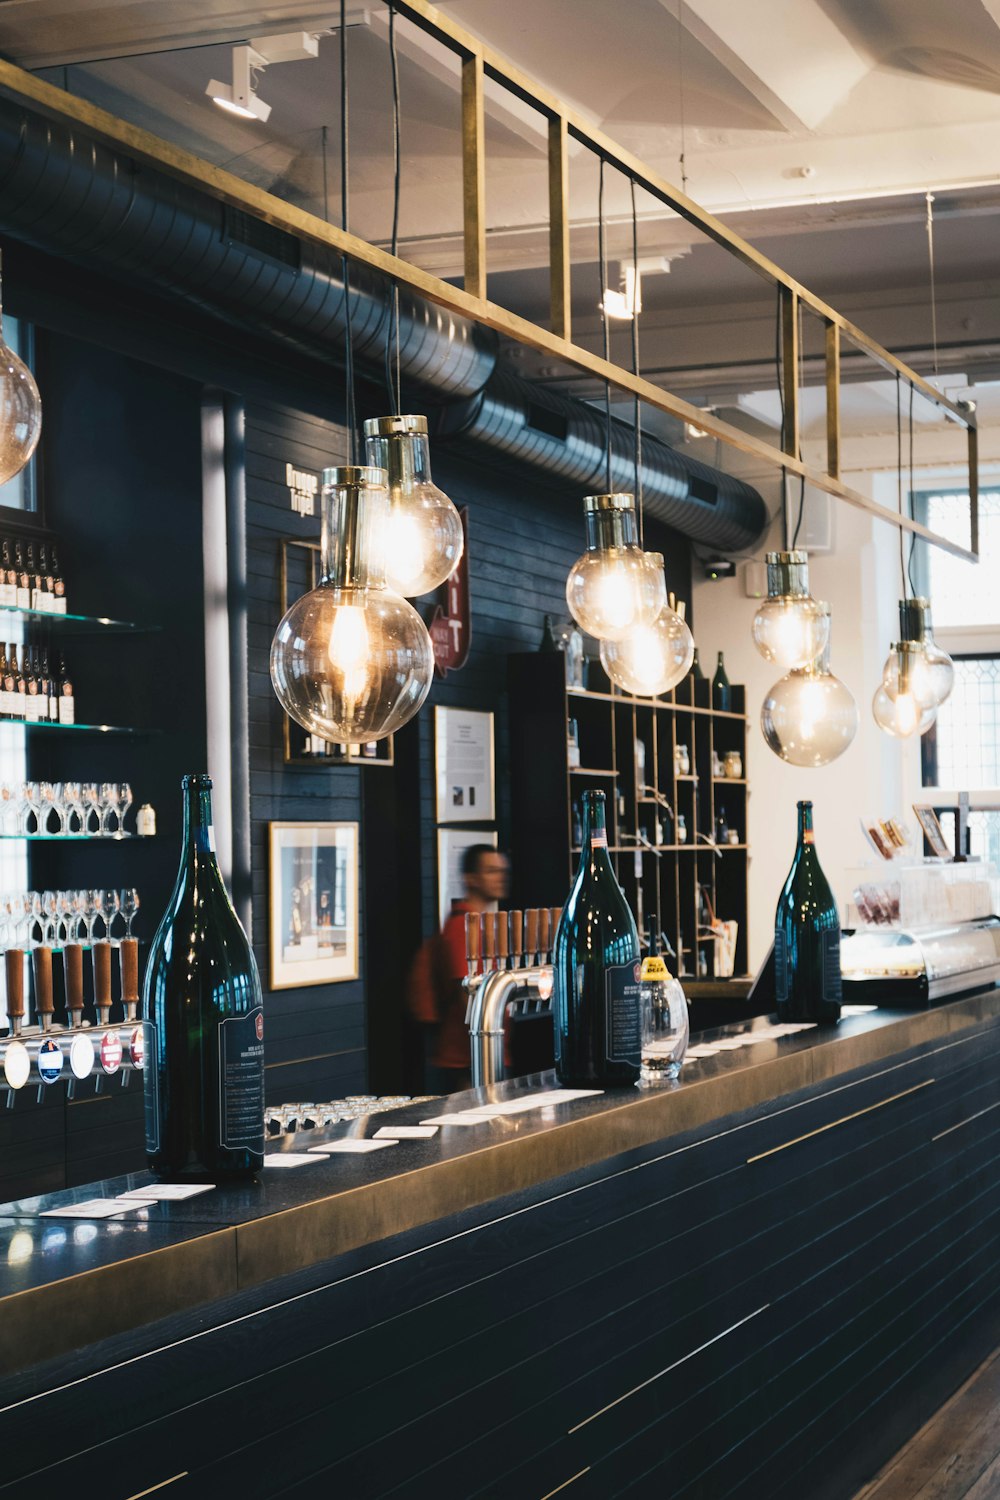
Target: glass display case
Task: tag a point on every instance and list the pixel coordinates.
(902, 966)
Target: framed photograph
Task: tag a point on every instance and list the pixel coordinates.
(452, 844)
(932, 831)
(464, 762)
(313, 917)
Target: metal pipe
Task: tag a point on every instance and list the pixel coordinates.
(487, 1009)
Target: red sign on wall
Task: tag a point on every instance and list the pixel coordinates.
(451, 623)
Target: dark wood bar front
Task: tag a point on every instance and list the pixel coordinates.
(756, 1282)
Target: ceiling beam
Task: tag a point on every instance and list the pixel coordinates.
(787, 53)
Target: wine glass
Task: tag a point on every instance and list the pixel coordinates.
(31, 806)
(91, 911)
(47, 805)
(73, 806)
(9, 810)
(124, 803)
(91, 807)
(50, 911)
(109, 807)
(109, 910)
(130, 904)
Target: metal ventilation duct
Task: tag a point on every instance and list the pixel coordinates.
(70, 194)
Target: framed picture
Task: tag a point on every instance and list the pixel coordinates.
(313, 917)
(452, 844)
(932, 831)
(464, 763)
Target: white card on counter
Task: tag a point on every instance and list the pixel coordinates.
(92, 1208)
(350, 1144)
(856, 1010)
(457, 1119)
(167, 1192)
(536, 1101)
(405, 1132)
(289, 1159)
(702, 1052)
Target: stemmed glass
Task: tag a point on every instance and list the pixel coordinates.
(91, 801)
(130, 904)
(73, 806)
(91, 912)
(124, 803)
(109, 910)
(9, 810)
(50, 804)
(30, 806)
(109, 808)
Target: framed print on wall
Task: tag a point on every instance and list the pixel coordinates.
(313, 912)
(452, 844)
(464, 766)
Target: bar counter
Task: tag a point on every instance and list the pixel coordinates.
(705, 1288)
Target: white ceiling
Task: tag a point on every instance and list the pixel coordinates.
(814, 127)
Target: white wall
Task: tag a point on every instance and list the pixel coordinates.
(877, 776)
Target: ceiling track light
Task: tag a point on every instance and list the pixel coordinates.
(240, 96)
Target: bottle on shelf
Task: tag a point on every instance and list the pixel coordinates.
(64, 688)
(596, 959)
(58, 583)
(17, 687)
(6, 683)
(696, 671)
(572, 743)
(8, 578)
(548, 641)
(23, 598)
(807, 981)
(203, 1019)
(50, 696)
(32, 702)
(34, 578)
(720, 687)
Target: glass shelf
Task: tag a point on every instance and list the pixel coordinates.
(75, 728)
(75, 624)
(73, 838)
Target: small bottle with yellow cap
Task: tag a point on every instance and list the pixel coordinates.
(665, 1026)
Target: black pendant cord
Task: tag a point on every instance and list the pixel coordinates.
(899, 482)
(606, 338)
(636, 405)
(351, 415)
(913, 540)
(392, 357)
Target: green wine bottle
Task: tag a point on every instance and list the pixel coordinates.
(696, 671)
(720, 687)
(203, 1020)
(548, 641)
(597, 969)
(807, 983)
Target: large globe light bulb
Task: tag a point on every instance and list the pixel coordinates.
(351, 661)
(20, 414)
(896, 707)
(653, 658)
(790, 628)
(612, 590)
(424, 538)
(810, 717)
(933, 675)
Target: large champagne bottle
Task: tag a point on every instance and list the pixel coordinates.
(203, 1019)
(595, 997)
(807, 982)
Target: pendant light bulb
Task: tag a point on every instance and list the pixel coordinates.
(896, 707)
(424, 538)
(20, 413)
(612, 589)
(810, 717)
(790, 628)
(351, 661)
(933, 673)
(652, 658)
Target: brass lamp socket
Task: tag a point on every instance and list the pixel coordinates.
(914, 619)
(610, 521)
(355, 508)
(787, 575)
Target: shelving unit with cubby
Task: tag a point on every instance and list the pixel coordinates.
(662, 873)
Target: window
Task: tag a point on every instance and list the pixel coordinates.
(962, 750)
(962, 593)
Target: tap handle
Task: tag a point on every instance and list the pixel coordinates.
(531, 933)
(501, 920)
(73, 964)
(41, 973)
(101, 953)
(472, 941)
(14, 969)
(554, 927)
(544, 917)
(515, 923)
(489, 938)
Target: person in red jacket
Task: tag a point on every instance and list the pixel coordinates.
(437, 997)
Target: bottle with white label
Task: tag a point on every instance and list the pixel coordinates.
(17, 690)
(203, 1020)
(64, 688)
(58, 583)
(8, 578)
(32, 701)
(23, 582)
(596, 961)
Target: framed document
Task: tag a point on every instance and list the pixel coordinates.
(464, 764)
(932, 831)
(313, 914)
(452, 844)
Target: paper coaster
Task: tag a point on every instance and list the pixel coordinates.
(405, 1133)
(168, 1192)
(93, 1208)
(289, 1159)
(350, 1144)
